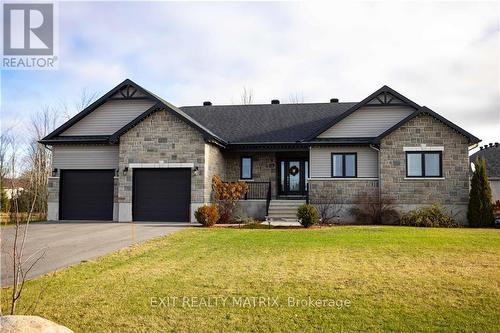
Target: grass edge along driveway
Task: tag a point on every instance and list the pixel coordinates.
(395, 279)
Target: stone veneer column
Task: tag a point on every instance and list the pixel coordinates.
(53, 199)
(162, 137)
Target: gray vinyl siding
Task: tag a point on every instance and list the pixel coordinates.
(109, 117)
(321, 161)
(85, 157)
(367, 122)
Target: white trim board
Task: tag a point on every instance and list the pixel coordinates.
(160, 165)
(424, 178)
(424, 147)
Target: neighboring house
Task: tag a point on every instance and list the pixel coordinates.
(14, 187)
(491, 154)
(134, 156)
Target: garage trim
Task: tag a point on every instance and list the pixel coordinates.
(161, 165)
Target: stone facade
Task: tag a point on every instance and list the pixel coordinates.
(264, 168)
(349, 191)
(160, 137)
(450, 191)
(214, 165)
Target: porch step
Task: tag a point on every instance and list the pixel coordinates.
(284, 209)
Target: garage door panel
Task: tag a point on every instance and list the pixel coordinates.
(161, 195)
(86, 194)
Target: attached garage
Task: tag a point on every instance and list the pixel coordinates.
(86, 195)
(161, 194)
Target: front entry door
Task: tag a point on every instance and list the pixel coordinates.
(293, 177)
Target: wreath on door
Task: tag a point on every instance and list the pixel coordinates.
(293, 170)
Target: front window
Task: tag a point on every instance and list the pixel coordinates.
(423, 164)
(344, 165)
(246, 168)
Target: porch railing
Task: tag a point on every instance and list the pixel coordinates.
(257, 190)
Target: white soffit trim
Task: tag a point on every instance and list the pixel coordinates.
(160, 165)
(424, 147)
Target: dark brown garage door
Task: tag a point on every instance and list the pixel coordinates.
(86, 195)
(161, 195)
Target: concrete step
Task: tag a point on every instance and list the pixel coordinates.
(288, 202)
(282, 211)
(285, 210)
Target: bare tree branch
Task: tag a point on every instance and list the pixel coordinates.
(246, 96)
(296, 98)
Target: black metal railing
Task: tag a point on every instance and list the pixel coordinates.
(257, 190)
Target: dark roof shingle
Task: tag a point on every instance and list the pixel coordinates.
(271, 123)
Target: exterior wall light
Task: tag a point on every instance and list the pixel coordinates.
(125, 170)
(196, 171)
(54, 172)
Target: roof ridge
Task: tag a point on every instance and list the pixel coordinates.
(262, 104)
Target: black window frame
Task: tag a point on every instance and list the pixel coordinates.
(343, 165)
(241, 167)
(422, 163)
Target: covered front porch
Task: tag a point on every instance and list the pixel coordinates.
(277, 180)
(283, 174)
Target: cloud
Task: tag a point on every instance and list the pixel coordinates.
(442, 55)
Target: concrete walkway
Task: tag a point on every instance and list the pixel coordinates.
(69, 242)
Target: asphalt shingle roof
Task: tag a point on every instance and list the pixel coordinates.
(492, 157)
(271, 123)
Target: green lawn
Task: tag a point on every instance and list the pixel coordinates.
(395, 278)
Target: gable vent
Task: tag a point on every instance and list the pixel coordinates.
(275, 101)
(207, 103)
(334, 100)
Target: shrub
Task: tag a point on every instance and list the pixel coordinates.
(432, 216)
(207, 215)
(226, 195)
(480, 210)
(372, 210)
(308, 215)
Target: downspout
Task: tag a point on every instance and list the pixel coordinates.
(378, 171)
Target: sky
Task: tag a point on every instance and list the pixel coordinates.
(444, 55)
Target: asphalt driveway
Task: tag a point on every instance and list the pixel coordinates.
(69, 242)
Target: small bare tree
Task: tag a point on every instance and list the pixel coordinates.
(246, 96)
(5, 141)
(375, 209)
(39, 159)
(328, 204)
(21, 264)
